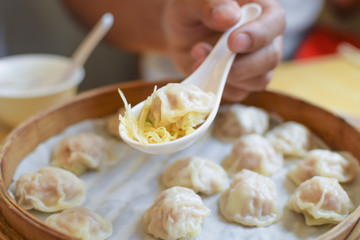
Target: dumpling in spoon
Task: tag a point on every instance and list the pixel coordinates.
(291, 138)
(239, 120)
(322, 200)
(171, 112)
(177, 213)
(196, 173)
(80, 223)
(112, 124)
(49, 190)
(80, 152)
(321, 162)
(255, 153)
(251, 200)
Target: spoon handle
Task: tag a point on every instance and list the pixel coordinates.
(210, 77)
(92, 39)
(220, 59)
(82, 53)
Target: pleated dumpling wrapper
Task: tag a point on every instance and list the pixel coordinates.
(112, 124)
(50, 189)
(196, 173)
(255, 153)
(290, 138)
(81, 223)
(325, 163)
(251, 200)
(177, 213)
(238, 120)
(171, 112)
(80, 152)
(322, 200)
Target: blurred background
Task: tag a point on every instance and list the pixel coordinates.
(45, 26)
(313, 69)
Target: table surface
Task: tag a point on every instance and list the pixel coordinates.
(330, 82)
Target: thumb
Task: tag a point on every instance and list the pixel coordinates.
(218, 15)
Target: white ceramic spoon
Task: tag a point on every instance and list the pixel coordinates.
(210, 76)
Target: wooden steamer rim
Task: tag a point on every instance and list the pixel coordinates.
(97, 103)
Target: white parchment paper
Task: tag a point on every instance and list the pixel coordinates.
(122, 193)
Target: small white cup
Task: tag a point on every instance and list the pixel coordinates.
(30, 83)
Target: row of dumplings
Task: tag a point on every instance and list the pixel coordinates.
(58, 189)
(319, 196)
(178, 212)
(262, 150)
(292, 139)
(252, 199)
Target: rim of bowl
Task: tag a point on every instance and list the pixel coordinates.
(73, 80)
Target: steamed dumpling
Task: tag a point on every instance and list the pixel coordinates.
(113, 122)
(182, 105)
(321, 162)
(80, 223)
(177, 213)
(171, 112)
(322, 200)
(80, 152)
(49, 190)
(291, 138)
(251, 200)
(239, 120)
(196, 173)
(253, 152)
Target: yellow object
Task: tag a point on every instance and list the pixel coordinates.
(331, 82)
(30, 83)
(3, 132)
(142, 130)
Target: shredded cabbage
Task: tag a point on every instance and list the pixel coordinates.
(143, 129)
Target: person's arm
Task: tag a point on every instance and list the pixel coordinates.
(186, 30)
(345, 8)
(137, 23)
(193, 27)
(346, 4)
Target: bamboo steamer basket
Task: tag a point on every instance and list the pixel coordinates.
(17, 223)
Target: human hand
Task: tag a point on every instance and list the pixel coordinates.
(345, 9)
(193, 27)
(346, 4)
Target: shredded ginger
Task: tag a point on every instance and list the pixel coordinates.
(142, 130)
(146, 131)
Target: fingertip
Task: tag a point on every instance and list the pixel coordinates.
(240, 42)
(232, 94)
(197, 63)
(226, 14)
(200, 50)
(258, 33)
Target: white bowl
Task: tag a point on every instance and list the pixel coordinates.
(30, 83)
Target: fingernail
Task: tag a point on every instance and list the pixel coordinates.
(227, 11)
(241, 43)
(200, 50)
